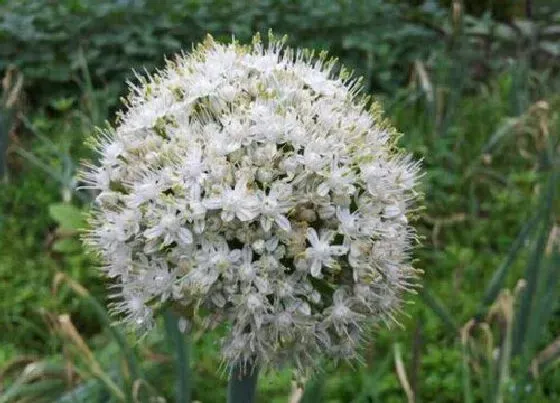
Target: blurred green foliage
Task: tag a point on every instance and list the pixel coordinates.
(380, 39)
(476, 96)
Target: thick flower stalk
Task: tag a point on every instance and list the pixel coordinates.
(252, 186)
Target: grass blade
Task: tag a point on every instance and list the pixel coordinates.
(36, 378)
(467, 378)
(499, 276)
(437, 307)
(4, 137)
(506, 128)
(546, 357)
(550, 298)
(105, 320)
(525, 321)
(506, 303)
(85, 391)
(401, 374)
(37, 391)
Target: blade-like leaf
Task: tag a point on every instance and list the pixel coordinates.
(105, 320)
(524, 328)
(437, 307)
(39, 391)
(180, 348)
(499, 276)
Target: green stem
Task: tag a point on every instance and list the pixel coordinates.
(243, 383)
(179, 346)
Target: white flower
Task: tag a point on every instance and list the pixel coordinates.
(238, 202)
(247, 269)
(145, 190)
(322, 253)
(339, 179)
(251, 185)
(340, 314)
(273, 207)
(170, 226)
(193, 167)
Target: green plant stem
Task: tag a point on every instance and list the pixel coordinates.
(179, 345)
(243, 383)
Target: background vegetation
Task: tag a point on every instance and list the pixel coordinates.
(475, 90)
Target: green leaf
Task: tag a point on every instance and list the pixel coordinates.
(62, 104)
(500, 275)
(67, 216)
(67, 245)
(525, 334)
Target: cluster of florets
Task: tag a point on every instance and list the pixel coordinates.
(250, 186)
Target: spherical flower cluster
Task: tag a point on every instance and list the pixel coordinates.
(250, 186)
